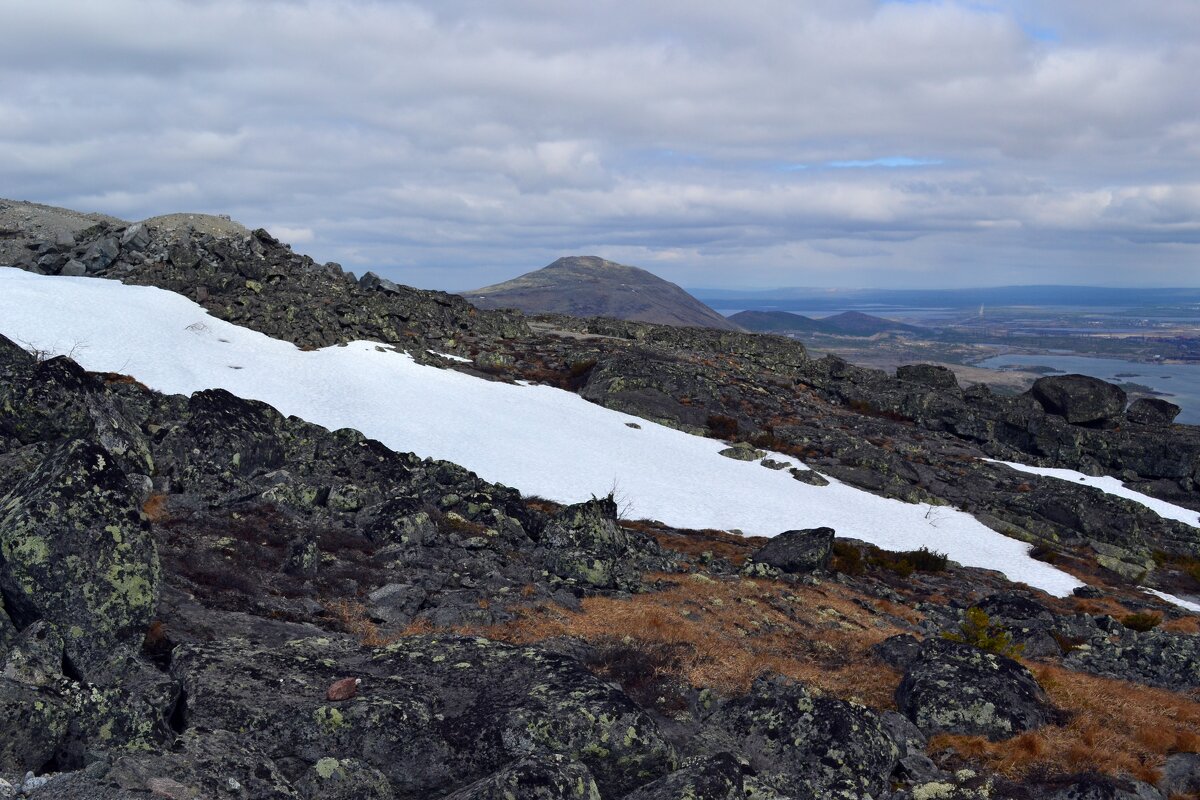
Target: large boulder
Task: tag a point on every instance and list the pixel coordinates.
(956, 688)
(931, 375)
(809, 746)
(1079, 399)
(75, 552)
(797, 551)
(1152, 411)
(546, 778)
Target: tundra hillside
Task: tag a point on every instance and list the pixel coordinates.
(203, 598)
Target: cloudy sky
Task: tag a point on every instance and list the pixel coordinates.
(456, 143)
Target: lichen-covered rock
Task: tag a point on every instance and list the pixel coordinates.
(543, 778)
(1098, 787)
(199, 765)
(717, 777)
(956, 688)
(1153, 411)
(585, 543)
(932, 375)
(34, 724)
(808, 746)
(74, 552)
(458, 709)
(797, 551)
(1155, 657)
(1079, 398)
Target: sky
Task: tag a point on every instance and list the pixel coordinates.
(458, 143)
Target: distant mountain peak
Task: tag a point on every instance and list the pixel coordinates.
(590, 286)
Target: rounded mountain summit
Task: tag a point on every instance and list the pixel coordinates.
(588, 286)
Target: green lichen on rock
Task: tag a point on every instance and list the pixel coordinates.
(73, 551)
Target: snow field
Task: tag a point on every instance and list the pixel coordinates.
(540, 440)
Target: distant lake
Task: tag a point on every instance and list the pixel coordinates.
(1179, 383)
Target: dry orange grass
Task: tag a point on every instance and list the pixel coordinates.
(1188, 625)
(155, 507)
(729, 632)
(695, 544)
(353, 618)
(1115, 728)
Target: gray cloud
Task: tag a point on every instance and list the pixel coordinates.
(453, 144)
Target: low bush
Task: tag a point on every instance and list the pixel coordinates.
(1141, 621)
(977, 630)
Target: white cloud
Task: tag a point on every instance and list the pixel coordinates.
(455, 143)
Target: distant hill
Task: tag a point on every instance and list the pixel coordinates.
(848, 323)
(587, 286)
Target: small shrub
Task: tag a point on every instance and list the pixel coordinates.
(977, 630)
(847, 559)
(1044, 553)
(1141, 621)
(904, 563)
(721, 426)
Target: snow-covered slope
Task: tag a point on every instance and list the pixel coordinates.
(540, 440)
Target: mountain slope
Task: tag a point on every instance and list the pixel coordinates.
(537, 439)
(587, 286)
(847, 323)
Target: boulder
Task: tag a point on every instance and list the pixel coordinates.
(34, 723)
(956, 688)
(899, 651)
(717, 777)
(1152, 411)
(1079, 398)
(932, 375)
(372, 282)
(798, 550)
(74, 269)
(742, 452)
(809, 746)
(75, 552)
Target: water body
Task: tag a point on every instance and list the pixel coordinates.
(1179, 383)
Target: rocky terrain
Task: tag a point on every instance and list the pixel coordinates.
(587, 286)
(203, 598)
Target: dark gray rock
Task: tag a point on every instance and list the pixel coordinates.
(77, 554)
(806, 746)
(1079, 398)
(34, 723)
(1152, 411)
(957, 688)
(543, 778)
(1099, 787)
(1181, 774)
(458, 709)
(934, 376)
(373, 282)
(899, 651)
(717, 777)
(1155, 657)
(74, 269)
(809, 476)
(798, 550)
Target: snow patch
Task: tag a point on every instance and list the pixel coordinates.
(538, 439)
(450, 356)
